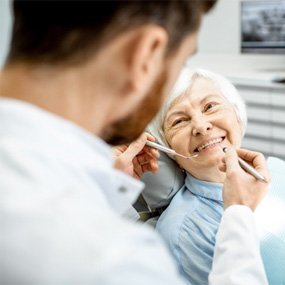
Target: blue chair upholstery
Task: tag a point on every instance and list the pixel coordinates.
(162, 186)
(270, 219)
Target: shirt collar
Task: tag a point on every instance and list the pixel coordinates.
(209, 190)
(71, 143)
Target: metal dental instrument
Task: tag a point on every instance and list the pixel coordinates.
(248, 168)
(168, 150)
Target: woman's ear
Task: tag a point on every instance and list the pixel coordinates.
(146, 54)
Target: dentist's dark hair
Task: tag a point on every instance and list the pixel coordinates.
(69, 32)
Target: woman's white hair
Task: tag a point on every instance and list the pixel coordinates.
(186, 78)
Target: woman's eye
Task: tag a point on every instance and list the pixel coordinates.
(209, 106)
(177, 122)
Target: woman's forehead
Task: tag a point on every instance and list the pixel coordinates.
(202, 87)
(179, 100)
(197, 93)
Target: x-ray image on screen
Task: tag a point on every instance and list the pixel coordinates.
(263, 26)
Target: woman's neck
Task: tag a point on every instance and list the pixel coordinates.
(210, 174)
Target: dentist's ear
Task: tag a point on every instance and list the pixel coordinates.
(146, 56)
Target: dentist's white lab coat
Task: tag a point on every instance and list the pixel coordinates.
(237, 257)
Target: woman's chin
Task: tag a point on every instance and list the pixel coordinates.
(210, 158)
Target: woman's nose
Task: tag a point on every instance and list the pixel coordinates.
(201, 127)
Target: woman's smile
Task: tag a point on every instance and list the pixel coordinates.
(208, 145)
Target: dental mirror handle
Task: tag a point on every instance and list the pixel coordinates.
(160, 147)
(169, 150)
(248, 168)
(251, 170)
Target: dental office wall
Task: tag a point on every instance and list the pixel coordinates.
(5, 29)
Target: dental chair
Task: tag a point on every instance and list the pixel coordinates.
(160, 188)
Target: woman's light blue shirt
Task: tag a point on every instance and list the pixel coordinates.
(190, 223)
(189, 226)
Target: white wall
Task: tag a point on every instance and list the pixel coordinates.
(219, 44)
(5, 27)
(220, 29)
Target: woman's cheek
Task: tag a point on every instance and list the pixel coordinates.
(179, 143)
(169, 136)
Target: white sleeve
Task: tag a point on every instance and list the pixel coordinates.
(237, 259)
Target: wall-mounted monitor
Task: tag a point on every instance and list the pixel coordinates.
(263, 26)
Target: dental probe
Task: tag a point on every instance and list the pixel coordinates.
(248, 168)
(168, 150)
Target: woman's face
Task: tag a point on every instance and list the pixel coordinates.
(202, 121)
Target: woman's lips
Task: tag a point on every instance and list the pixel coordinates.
(208, 144)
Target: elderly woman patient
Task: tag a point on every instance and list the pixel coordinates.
(203, 115)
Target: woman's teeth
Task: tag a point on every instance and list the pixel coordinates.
(209, 143)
